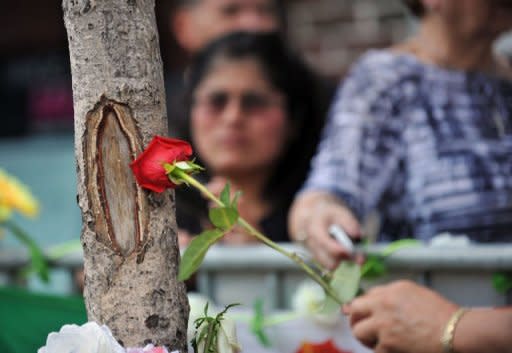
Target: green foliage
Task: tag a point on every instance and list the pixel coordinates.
(398, 245)
(196, 251)
(373, 268)
(345, 284)
(223, 218)
(502, 282)
(340, 286)
(225, 195)
(258, 322)
(38, 263)
(174, 170)
(207, 330)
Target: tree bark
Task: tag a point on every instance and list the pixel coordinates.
(129, 237)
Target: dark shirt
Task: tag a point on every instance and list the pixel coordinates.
(192, 216)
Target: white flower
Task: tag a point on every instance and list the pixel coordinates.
(227, 341)
(88, 338)
(308, 301)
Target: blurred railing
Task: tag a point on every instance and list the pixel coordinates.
(243, 274)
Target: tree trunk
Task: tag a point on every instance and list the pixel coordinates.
(129, 237)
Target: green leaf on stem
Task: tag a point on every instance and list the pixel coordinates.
(174, 169)
(223, 217)
(234, 202)
(258, 322)
(169, 168)
(196, 251)
(225, 195)
(398, 245)
(344, 283)
(373, 267)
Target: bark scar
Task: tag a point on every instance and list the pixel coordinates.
(119, 205)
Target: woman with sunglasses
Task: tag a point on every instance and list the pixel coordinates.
(254, 122)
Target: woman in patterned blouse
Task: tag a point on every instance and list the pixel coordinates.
(421, 133)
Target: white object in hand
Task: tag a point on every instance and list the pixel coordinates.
(339, 234)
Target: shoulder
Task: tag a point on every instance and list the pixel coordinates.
(382, 70)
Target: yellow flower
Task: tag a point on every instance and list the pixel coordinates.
(14, 196)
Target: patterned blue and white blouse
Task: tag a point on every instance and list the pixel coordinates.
(429, 148)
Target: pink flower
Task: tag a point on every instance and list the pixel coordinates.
(149, 349)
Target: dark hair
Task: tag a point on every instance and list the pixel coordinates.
(182, 3)
(291, 77)
(415, 6)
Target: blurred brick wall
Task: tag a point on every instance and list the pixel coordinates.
(333, 33)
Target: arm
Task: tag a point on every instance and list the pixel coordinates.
(407, 318)
(486, 330)
(357, 160)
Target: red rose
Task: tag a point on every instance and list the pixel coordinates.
(148, 167)
(324, 347)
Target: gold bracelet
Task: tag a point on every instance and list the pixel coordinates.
(449, 330)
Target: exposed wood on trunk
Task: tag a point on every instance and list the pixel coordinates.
(129, 235)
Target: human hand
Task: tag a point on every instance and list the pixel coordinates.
(310, 218)
(400, 317)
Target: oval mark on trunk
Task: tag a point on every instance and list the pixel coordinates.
(118, 203)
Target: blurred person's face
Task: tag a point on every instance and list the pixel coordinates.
(485, 18)
(209, 19)
(238, 120)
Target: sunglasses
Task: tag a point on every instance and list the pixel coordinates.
(249, 102)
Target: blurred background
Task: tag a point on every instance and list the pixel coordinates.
(36, 134)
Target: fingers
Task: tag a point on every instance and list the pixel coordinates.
(310, 218)
(359, 309)
(327, 250)
(323, 247)
(349, 223)
(363, 320)
(367, 331)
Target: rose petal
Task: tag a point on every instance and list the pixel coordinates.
(148, 166)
